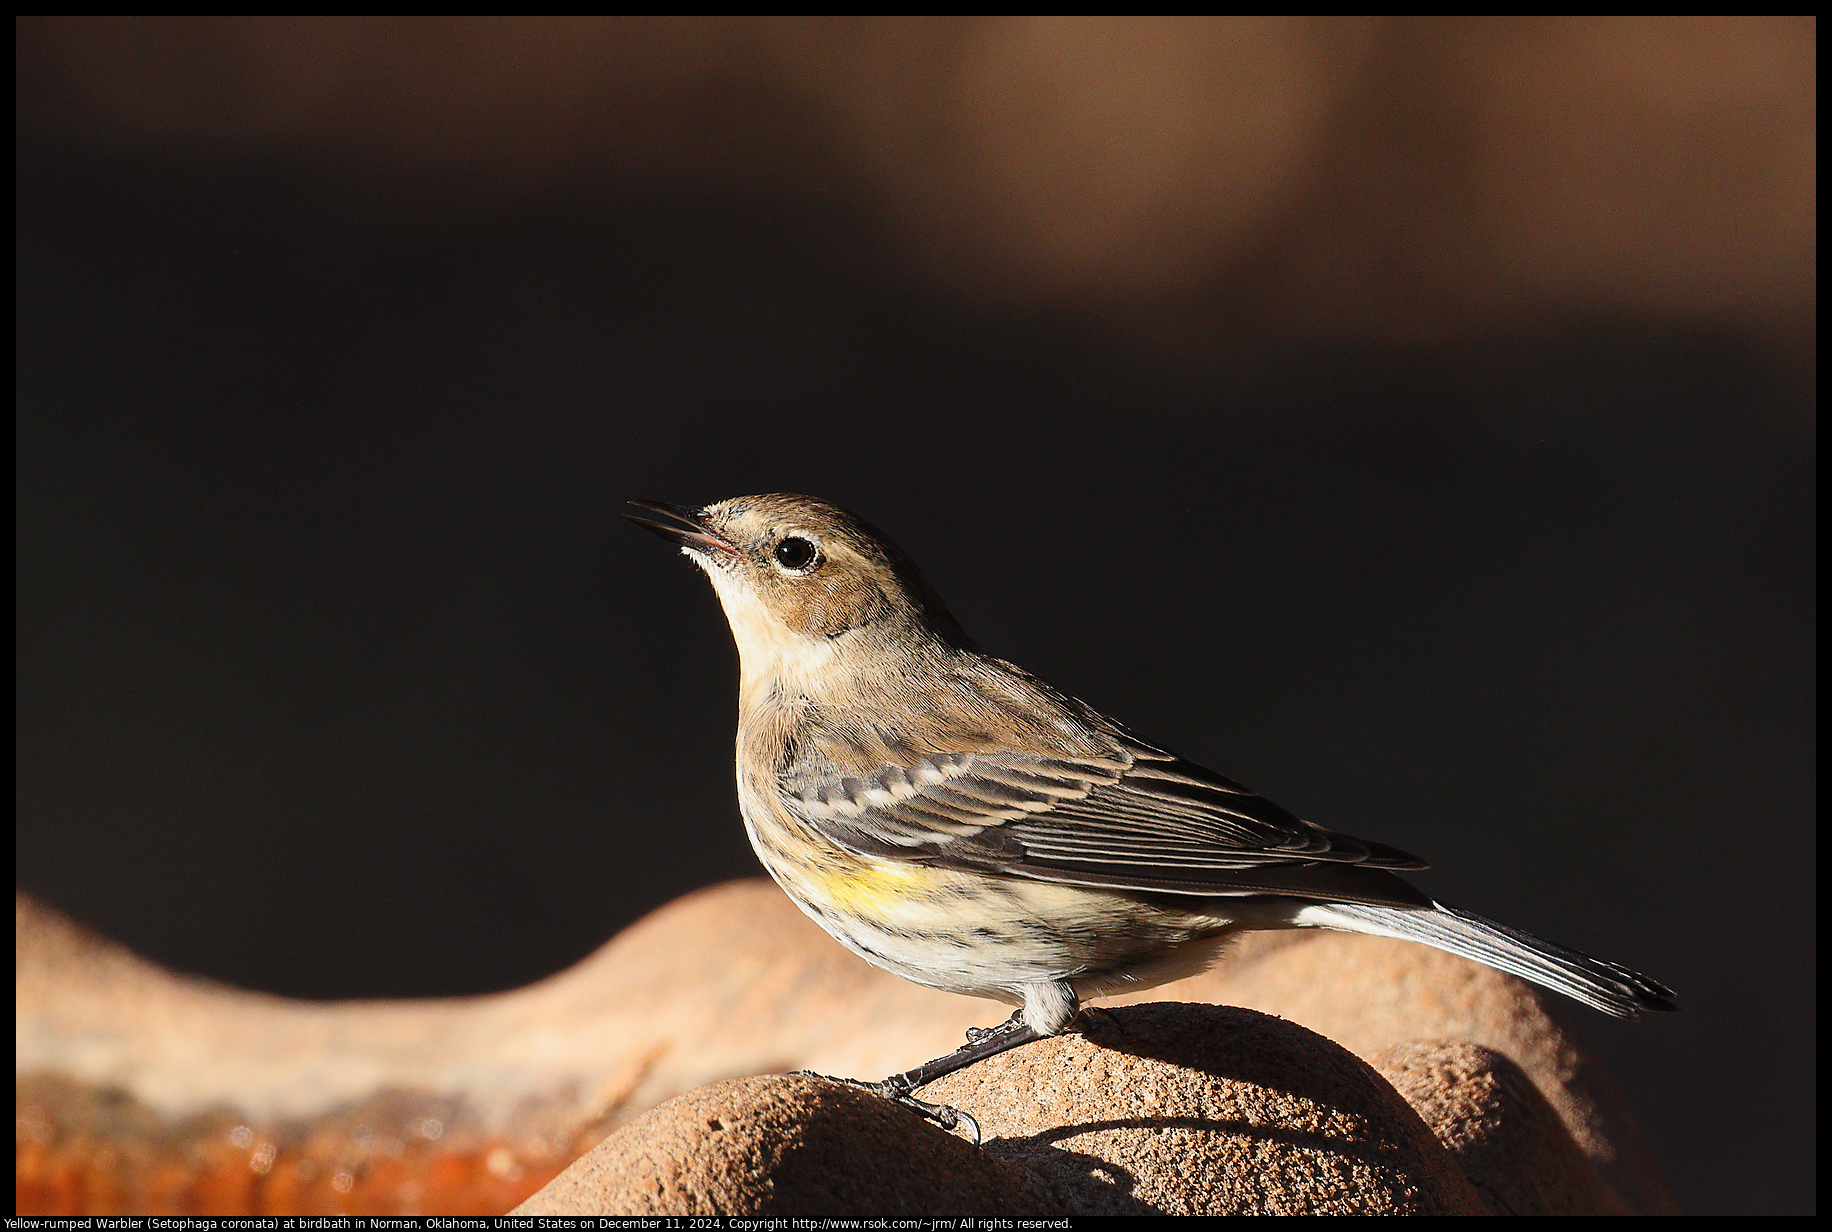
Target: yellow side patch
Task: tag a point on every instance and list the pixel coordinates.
(876, 889)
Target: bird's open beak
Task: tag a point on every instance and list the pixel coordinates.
(693, 535)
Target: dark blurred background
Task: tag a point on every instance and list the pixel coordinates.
(1410, 418)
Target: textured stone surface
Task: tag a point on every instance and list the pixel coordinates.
(1497, 1126)
(1178, 1109)
(1209, 1110)
(142, 1090)
(1371, 993)
(788, 1145)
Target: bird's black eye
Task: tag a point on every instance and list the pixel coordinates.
(797, 554)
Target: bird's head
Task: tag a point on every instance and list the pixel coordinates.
(805, 585)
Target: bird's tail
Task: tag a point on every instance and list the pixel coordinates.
(1604, 986)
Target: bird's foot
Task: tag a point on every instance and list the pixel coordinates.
(976, 1034)
(897, 1089)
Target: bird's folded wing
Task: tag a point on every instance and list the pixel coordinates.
(1140, 819)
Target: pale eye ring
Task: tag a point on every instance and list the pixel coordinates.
(797, 555)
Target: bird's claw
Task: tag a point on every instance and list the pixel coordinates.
(946, 1116)
(976, 1034)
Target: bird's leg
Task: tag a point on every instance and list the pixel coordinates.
(981, 1043)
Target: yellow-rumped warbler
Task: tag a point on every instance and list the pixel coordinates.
(953, 819)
